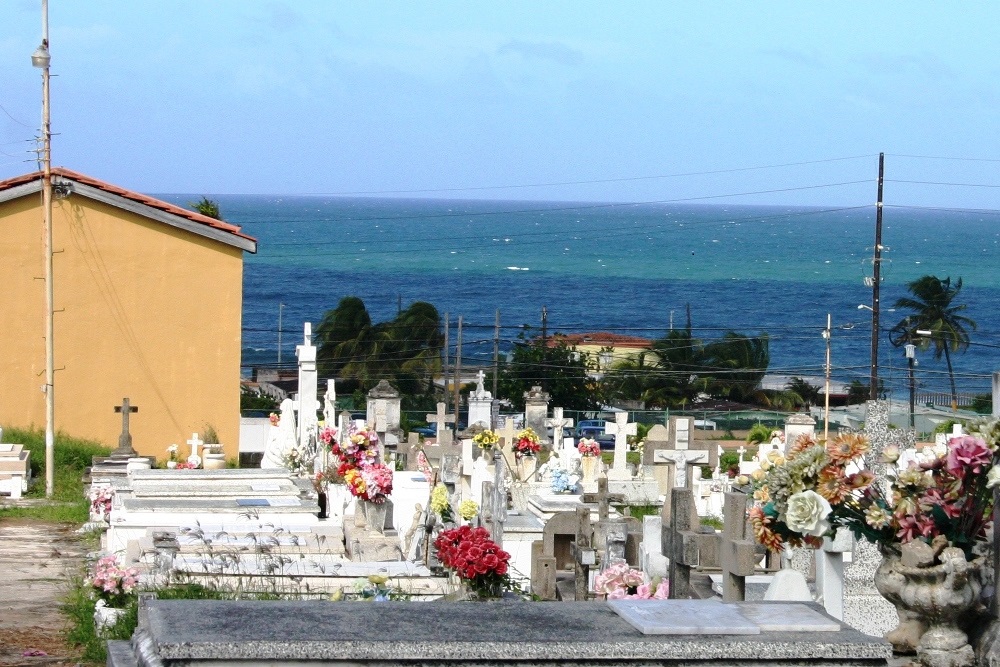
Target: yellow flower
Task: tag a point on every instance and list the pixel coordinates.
(439, 499)
(757, 474)
(468, 509)
(377, 579)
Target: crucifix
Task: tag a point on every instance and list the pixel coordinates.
(195, 443)
(621, 429)
(125, 439)
(558, 424)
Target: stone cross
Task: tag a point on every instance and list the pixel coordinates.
(480, 379)
(408, 451)
(307, 396)
(195, 443)
(440, 419)
(621, 429)
(330, 404)
(125, 439)
(584, 555)
(739, 550)
(558, 424)
(507, 435)
(679, 541)
(681, 455)
(603, 499)
(494, 510)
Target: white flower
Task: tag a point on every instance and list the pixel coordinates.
(993, 477)
(807, 512)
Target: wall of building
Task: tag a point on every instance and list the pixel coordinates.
(144, 310)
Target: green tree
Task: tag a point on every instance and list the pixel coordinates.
(933, 309)
(808, 392)
(737, 364)
(207, 207)
(554, 366)
(680, 366)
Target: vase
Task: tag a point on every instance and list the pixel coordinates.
(321, 501)
(374, 515)
(171, 464)
(588, 466)
(526, 467)
(930, 601)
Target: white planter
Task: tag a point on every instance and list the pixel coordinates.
(171, 464)
(105, 617)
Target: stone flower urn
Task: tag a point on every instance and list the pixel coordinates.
(930, 600)
(588, 468)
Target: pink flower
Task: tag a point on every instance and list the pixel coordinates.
(967, 453)
(617, 594)
(643, 592)
(662, 590)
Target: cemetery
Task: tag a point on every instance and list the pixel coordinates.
(346, 510)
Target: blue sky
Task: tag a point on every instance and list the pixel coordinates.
(220, 96)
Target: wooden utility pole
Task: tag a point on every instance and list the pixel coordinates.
(444, 368)
(458, 371)
(496, 353)
(877, 266)
(826, 408)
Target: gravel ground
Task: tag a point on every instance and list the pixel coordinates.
(36, 560)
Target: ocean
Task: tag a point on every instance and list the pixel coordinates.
(627, 268)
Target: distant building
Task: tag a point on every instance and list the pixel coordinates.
(604, 350)
(148, 301)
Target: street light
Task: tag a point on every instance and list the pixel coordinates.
(41, 59)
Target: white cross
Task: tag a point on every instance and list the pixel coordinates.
(558, 424)
(440, 419)
(621, 429)
(681, 458)
(195, 443)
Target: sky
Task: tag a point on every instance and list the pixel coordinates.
(716, 102)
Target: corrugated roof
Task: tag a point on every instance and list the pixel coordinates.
(146, 200)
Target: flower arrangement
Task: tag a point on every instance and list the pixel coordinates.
(620, 581)
(186, 465)
(441, 503)
(113, 583)
(486, 439)
(358, 449)
(172, 452)
(476, 559)
(563, 482)
(373, 588)
(588, 447)
(468, 509)
(371, 482)
(294, 460)
(948, 491)
(527, 443)
(100, 501)
(274, 418)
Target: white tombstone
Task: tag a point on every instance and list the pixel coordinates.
(621, 429)
(480, 473)
(536, 411)
(681, 455)
(330, 405)
(281, 438)
(796, 426)
(559, 443)
(308, 403)
(480, 404)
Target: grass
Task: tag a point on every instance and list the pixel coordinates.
(635, 458)
(72, 456)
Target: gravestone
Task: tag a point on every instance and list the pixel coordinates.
(307, 403)
(680, 541)
(281, 438)
(480, 404)
(15, 470)
(536, 410)
(681, 455)
(383, 414)
(493, 514)
(441, 421)
(125, 448)
(621, 429)
(738, 549)
(657, 438)
(557, 423)
(797, 425)
(553, 553)
(508, 436)
(124, 457)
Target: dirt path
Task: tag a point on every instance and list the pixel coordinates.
(35, 561)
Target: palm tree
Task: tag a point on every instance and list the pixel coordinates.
(207, 207)
(738, 363)
(932, 310)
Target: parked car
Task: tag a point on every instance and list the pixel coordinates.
(590, 428)
(606, 441)
(426, 431)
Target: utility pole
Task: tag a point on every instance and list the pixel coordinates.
(826, 409)
(911, 361)
(877, 264)
(41, 59)
(444, 369)
(281, 307)
(545, 325)
(458, 371)
(496, 371)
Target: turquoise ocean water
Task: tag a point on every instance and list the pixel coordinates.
(629, 268)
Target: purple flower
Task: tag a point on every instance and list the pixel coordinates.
(967, 454)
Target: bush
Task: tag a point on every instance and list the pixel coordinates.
(760, 433)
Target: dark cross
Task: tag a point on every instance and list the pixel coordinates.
(125, 439)
(679, 541)
(603, 498)
(584, 555)
(739, 549)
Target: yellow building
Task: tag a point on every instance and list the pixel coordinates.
(148, 305)
(605, 350)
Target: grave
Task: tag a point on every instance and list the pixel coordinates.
(15, 469)
(124, 457)
(536, 410)
(384, 414)
(283, 633)
(480, 404)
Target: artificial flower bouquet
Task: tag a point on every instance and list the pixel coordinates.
(358, 449)
(619, 581)
(486, 439)
(186, 465)
(527, 443)
(274, 418)
(468, 509)
(112, 582)
(172, 452)
(945, 491)
(476, 559)
(441, 503)
(563, 482)
(588, 447)
(100, 501)
(371, 482)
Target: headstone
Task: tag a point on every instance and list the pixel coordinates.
(797, 425)
(383, 413)
(508, 435)
(536, 409)
(195, 442)
(621, 429)
(480, 404)
(441, 421)
(680, 541)
(681, 456)
(330, 404)
(584, 554)
(125, 448)
(557, 423)
(15, 469)
(738, 550)
(281, 438)
(830, 572)
(307, 429)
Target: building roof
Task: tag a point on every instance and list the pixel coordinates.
(600, 338)
(135, 202)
